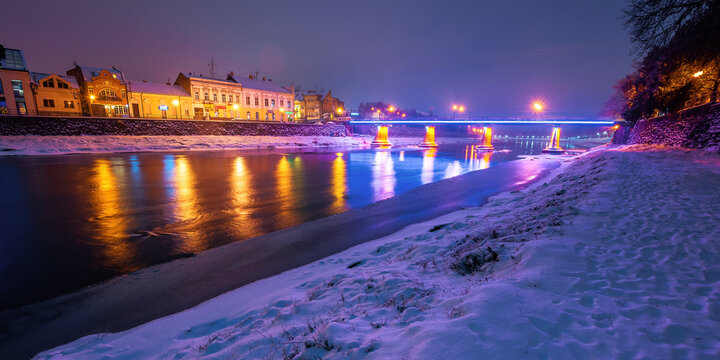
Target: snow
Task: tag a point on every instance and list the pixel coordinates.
(614, 255)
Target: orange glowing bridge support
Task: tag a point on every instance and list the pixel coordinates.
(486, 140)
(381, 139)
(429, 141)
(554, 146)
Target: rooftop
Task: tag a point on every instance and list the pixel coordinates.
(264, 85)
(36, 77)
(156, 88)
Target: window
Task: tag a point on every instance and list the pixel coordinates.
(48, 103)
(272, 103)
(90, 90)
(273, 117)
(214, 96)
(247, 99)
(266, 102)
(3, 103)
(50, 83)
(122, 94)
(1, 89)
(62, 85)
(108, 94)
(119, 109)
(248, 114)
(223, 98)
(13, 60)
(266, 116)
(282, 103)
(17, 88)
(237, 99)
(69, 105)
(257, 115)
(197, 95)
(207, 97)
(257, 102)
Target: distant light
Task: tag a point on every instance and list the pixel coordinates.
(461, 109)
(454, 107)
(338, 154)
(697, 74)
(538, 105)
(391, 108)
(354, 114)
(403, 115)
(175, 102)
(372, 108)
(92, 97)
(339, 110)
(235, 106)
(378, 111)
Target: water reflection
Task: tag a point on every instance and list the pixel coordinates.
(106, 201)
(185, 204)
(426, 175)
(453, 169)
(284, 190)
(241, 188)
(338, 183)
(383, 176)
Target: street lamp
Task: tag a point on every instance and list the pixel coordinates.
(176, 103)
(92, 99)
(457, 109)
(698, 74)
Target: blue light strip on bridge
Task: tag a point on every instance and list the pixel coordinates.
(489, 122)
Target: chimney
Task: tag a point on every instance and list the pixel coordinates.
(251, 77)
(232, 74)
(264, 78)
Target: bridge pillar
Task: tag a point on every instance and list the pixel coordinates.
(486, 140)
(381, 138)
(554, 146)
(429, 141)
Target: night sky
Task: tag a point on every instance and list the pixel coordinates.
(493, 56)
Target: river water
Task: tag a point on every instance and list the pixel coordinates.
(73, 220)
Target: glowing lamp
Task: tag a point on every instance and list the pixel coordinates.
(454, 107)
(339, 110)
(92, 97)
(403, 115)
(235, 106)
(698, 74)
(176, 103)
(461, 109)
(391, 108)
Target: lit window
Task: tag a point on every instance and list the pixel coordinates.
(122, 94)
(214, 96)
(207, 97)
(248, 114)
(223, 97)
(69, 105)
(17, 88)
(257, 115)
(90, 90)
(272, 103)
(197, 95)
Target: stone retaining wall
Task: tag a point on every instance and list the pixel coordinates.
(54, 126)
(698, 128)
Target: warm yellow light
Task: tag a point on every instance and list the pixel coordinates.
(339, 110)
(176, 103)
(378, 110)
(461, 109)
(235, 106)
(92, 97)
(403, 115)
(697, 74)
(454, 107)
(372, 108)
(391, 108)
(537, 106)
(338, 154)
(616, 127)
(281, 109)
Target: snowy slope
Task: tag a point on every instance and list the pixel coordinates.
(616, 257)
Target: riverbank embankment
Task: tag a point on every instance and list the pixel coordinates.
(614, 256)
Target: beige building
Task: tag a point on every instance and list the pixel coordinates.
(159, 101)
(212, 99)
(16, 96)
(264, 100)
(56, 95)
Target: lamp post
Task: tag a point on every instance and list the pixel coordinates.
(176, 103)
(457, 109)
(92, 100)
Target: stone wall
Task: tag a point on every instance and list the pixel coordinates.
(54, 126)
(698, 127)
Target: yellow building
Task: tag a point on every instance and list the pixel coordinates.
(159, 101)
(56, 95)
(102, 91)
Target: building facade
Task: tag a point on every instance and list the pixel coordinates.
(56, 95)
(212, 99)
(102, 91)
(16, 96)
(159, 101)
(264, 100)
(317, 107)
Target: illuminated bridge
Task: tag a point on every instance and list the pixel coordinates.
(382, 135)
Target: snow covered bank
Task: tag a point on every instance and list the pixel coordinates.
(615, 257)
(58, 145)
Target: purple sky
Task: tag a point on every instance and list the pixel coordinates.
(493, 56)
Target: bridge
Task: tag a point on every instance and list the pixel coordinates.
(382, 135)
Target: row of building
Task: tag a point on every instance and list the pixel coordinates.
(94, 91)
